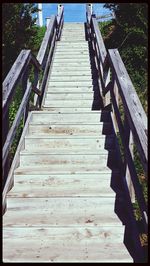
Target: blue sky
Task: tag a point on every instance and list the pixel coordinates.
(73, 12)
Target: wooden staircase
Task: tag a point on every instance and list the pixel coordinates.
(61, 208)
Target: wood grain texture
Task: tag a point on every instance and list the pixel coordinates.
(45, 42)
(134, 111)
(63, 244)
(61, 208)
(60, 212)
(75, 185)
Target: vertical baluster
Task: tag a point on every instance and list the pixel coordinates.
(24, 86)
(130, 142)
(116, 93)
(4, 135)
(105, 70)
(107, 96)
(36, 85)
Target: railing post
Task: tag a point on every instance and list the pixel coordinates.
(47, 21)
(24, 86)
(59, 9)
(59, 21)
(116, 93)
(89, 12)
(130, 142)
(4, 136)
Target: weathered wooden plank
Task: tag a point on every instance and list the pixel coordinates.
(70, 64)
(74, 185)
(73, 89)
(15, 163)
(99, 39)
(134, 111)
(73, 143)
(73, 212)
(46, 69)
(71, 78)
(60, 20)
(129, 161)
(45, 117)
(70, 68)
(68, 129)
(13, 77)
(81, 83)
(16, 122)
(69, 96)
(73, 60)
(66, 110)
(46, 39)
(60, 55)
(63, 169)
(33, 158)
(35, 62)
(60, 12)
(68, 103)
(88, 12)
(70, 44)
(64, 244)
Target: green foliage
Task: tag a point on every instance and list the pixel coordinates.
(128, 32)
(37, 38)
(17, 28)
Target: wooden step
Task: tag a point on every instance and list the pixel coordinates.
(69, 96)
(65, 129)
(71, 78)
(70, 45)
(61, 159)
(72, 89)
(71, 49)
(82, 59)
(47, 118)
(67, 109)
(74, 211)
(77, 55)
(62, 244)
(72, 39)
(71, 68)
(82, 63)
(62, 185)
(62, 169)
(69, 103)
(83, 143)
(63, 72)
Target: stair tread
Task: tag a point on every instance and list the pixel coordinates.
(68, 169)
(73, 211)
(66, 244)
(67, 185)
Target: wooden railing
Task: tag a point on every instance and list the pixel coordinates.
(118, 87)
(19, 73)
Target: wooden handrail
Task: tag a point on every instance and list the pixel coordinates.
(99, 40)
(44, 46)
(133, 130)
(13, 77)
(16, 122)
(19, 72)
(10, 83)
(60, 14)
(60, 20)
(88, 13)
(133, 108)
